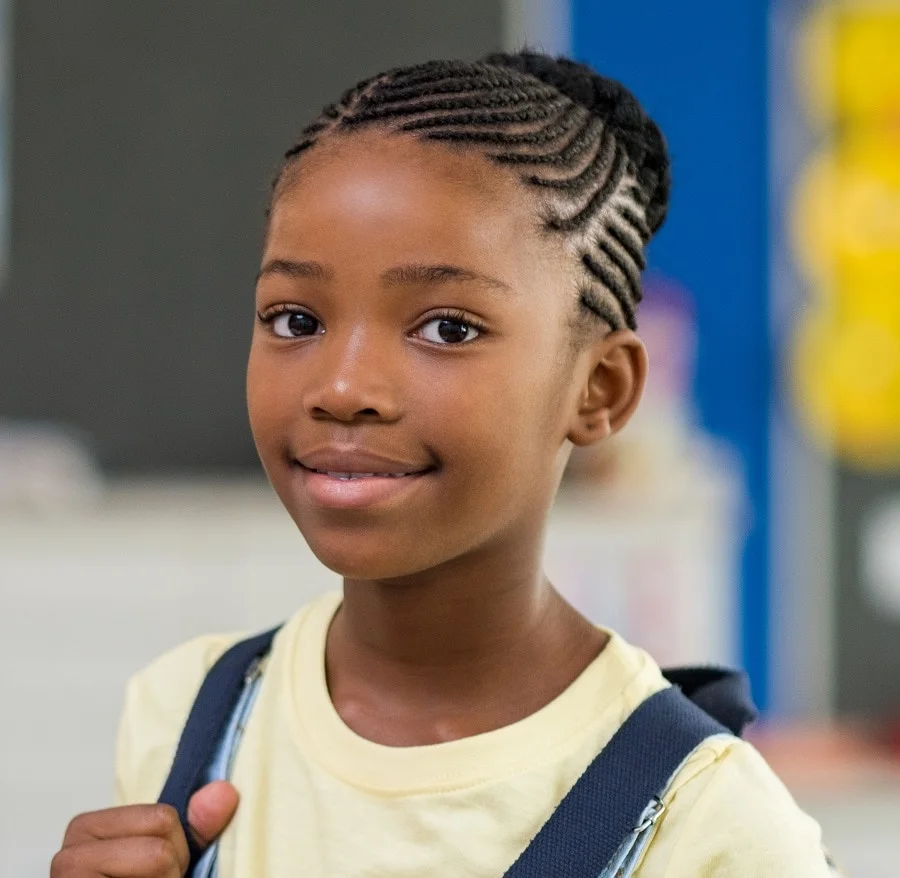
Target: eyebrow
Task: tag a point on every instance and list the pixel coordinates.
(433, 275)
(414, 274)
(297, 270)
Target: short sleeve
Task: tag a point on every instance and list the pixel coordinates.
(156, 704)
(745, 824)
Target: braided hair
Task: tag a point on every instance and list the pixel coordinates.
(581, 141)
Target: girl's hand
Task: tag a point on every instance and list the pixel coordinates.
(142, 841)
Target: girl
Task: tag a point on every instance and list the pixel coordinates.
(446, 305)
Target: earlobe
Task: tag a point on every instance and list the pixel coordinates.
(613, 380)
(590, 431)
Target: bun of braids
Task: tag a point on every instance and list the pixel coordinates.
(612, 102)
(583, 142)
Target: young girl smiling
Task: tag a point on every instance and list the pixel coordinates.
(446, 305)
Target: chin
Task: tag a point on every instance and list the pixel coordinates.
(363, 556)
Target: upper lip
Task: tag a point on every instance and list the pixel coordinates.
(355, 460)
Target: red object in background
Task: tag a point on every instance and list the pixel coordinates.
(892, 737)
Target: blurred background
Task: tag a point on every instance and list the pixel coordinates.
(751, 514)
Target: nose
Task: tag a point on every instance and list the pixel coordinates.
(355, 378)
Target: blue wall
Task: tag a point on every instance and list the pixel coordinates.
(699, 67)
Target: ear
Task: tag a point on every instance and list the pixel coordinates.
(613, 374)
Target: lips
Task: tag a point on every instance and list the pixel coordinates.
(344, 476)
(352, 463)
(334, 478)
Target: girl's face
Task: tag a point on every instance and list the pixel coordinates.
(414, 323)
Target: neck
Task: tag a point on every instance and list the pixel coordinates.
(461, 613)
(454, 641)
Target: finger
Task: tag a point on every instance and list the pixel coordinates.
(136, 857)
(210, 810)
(129, 821)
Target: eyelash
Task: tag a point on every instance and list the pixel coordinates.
(457, 316)
(269, 316)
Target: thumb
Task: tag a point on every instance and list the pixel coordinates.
(210, 810)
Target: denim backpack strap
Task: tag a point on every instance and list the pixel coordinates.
(207, 722)
(619, 792)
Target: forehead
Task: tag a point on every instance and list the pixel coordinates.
(392, 198)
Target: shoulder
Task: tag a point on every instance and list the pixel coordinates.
(731, 815)
(158, 699)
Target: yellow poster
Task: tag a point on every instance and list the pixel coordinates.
(846, 230)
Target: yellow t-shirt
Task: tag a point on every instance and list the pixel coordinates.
(318, 800)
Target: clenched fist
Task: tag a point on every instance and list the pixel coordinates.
(142, 841)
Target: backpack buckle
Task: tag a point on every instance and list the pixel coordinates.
(651, 815)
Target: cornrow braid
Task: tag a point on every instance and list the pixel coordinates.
(582, 141)
(495, 117)
(552, 131)
(605, 189)
(588, 176)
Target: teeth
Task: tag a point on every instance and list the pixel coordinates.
(348, 476)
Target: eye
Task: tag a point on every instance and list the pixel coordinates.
(449, 330)
(294, 324)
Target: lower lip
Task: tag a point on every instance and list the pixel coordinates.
(335, 493)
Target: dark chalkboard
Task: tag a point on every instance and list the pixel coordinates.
(144, 137)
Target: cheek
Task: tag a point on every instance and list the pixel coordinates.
(269, 402)
(503, 428)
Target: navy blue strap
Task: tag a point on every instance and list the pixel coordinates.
(605, 804)
(593, 819)
(206, 722)
(722, 692)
